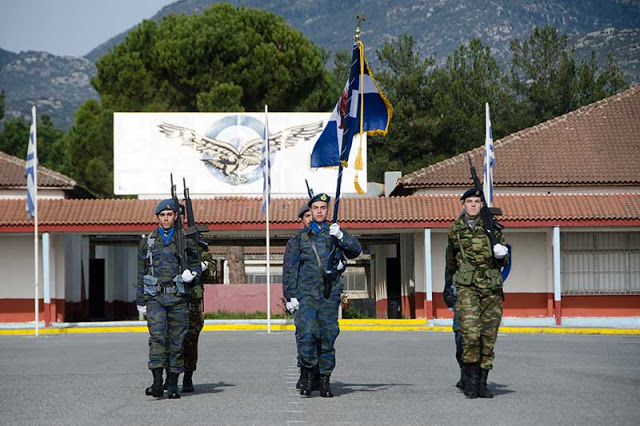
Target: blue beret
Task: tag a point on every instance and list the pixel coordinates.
(319, 197)
(167, 204)
(305, 208)
(472, 193)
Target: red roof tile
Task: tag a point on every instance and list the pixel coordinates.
(12, 175)
(598, 144)
(357, 213)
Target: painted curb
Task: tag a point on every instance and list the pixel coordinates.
(351, 325)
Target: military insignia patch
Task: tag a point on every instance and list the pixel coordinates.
(323, 197)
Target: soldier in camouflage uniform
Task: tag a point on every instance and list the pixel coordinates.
(475, 268)
(317, 318)
(196, 322)
(161, 296)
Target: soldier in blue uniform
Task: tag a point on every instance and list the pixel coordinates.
(317, 322)
(292, 303)
(162, 297)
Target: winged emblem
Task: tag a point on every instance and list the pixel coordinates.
(228, 159)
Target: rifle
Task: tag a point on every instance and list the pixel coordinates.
(486, 213)
(182, 233)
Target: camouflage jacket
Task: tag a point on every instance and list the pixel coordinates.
(304, 275)
(165, 262)
(470, 258)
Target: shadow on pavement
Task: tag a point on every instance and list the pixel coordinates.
(201, 388)
(340, 388)
(499, 389)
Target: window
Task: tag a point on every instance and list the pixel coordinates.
(354, 279)
(600, 262)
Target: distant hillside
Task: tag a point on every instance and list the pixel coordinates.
(56, 85)
(437, 26)
(624, 45)
(6, 57)
(59, 85)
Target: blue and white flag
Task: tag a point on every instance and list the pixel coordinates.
(356, 111)
(265, 163)
(489, 160)
(32, 165)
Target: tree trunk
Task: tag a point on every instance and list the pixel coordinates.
(235, 257)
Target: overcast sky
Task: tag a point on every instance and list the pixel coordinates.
(69, 27)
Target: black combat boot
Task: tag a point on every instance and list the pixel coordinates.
(471, 380)
(301, 379)
(307, 383)
(173, 386)
(460, 384)
(483, 391)
(187, 382)
(156, 388)
(316, 377)
(325, 389)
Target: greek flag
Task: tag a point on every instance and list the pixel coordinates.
(32, 164)
(265, 163)
(358, 110)
(489, 160)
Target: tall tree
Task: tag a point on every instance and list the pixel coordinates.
(547, 81)
(405, 79)
(89, 149)
(227, 58)
(469, 79)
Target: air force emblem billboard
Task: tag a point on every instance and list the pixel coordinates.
(220, 153)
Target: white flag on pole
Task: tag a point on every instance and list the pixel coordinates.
(32, 164)
(489, 160)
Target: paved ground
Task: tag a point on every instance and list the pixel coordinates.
(248, 377)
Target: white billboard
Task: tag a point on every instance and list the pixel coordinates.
(219, 154)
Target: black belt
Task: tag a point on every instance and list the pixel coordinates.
(167, 289)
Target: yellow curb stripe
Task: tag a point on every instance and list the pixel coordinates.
(344, 326)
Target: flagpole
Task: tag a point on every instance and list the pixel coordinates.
(268, 165)
(35, 216)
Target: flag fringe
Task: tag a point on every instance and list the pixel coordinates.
(359, 189)
(386, 101)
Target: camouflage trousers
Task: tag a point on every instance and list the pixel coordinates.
(317, 330)
(479, 312)
(196, 322)
(167, 320)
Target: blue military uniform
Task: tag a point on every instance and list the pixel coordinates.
(161, 290)
(317, 317)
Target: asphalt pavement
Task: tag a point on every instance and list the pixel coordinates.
(248, 377)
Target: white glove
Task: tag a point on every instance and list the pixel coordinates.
(187, 276)
(500, 251)
(340, 265)
(334, 230)
(204, 265)
(293, 305)
(142, 309)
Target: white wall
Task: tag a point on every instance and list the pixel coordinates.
(16, 264)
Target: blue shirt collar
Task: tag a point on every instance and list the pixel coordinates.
(166, 235)
(317, 228)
